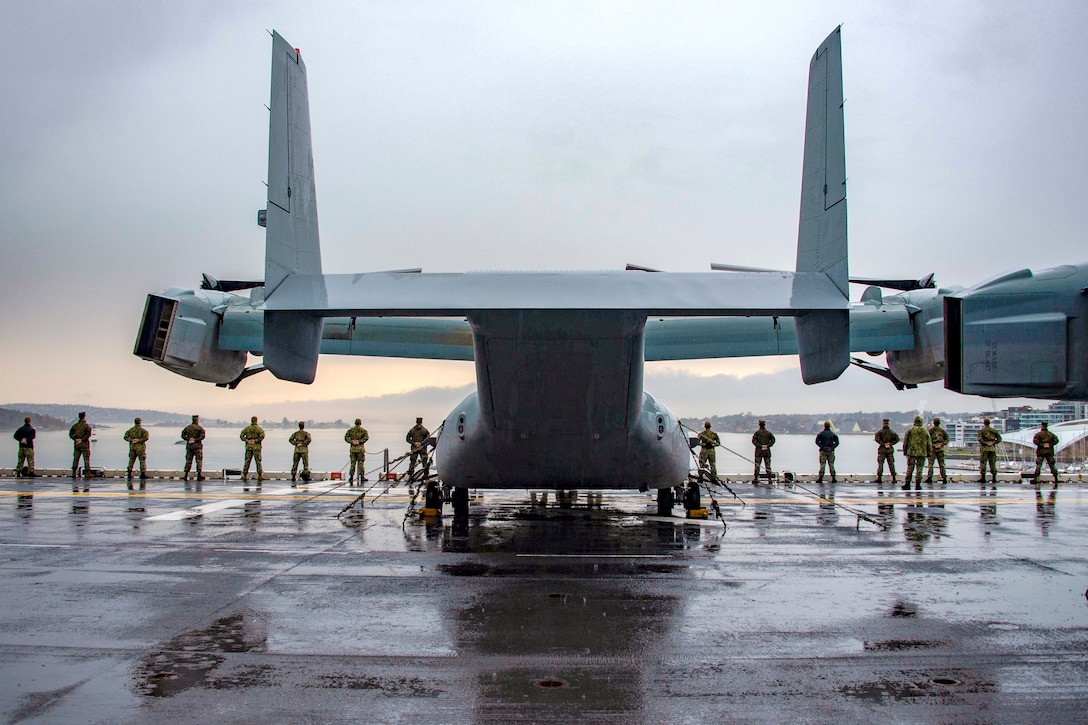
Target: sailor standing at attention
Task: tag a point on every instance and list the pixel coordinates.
(252, 434)
(708, 441)
(80, 433)
(137, 436)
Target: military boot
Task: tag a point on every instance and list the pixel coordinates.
(929, 479)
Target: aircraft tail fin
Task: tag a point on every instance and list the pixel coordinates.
(292, 244)
(823, 336)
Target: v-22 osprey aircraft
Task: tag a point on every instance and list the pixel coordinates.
(559, 356)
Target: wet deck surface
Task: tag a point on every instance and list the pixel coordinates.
(123, 606)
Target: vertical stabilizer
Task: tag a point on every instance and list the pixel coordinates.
(291, 339)
(823, 337)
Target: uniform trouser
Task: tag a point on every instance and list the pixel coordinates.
(355, 463)
(764, 456)
(1049, 458)
(192, 454)
(86, 454)
(939, 458)
(26, 454)
(253, 455)
(987, 457)
(132, 456)
(708, 455)
(304, 456)
(915, 464)
(421, 454)
(827, 458)
(885, 454)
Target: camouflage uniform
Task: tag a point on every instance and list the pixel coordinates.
(356, 439)
(885, 438)
(137, 448)
(939, 437)
(252, 434)
(417, 438)
(762, 440)
(708, 441)
(193, 435)
(827, 441)
(917, 447)
(1044, 442)
(300, 439)
(25, 436)
(988, 438)
(80, 433)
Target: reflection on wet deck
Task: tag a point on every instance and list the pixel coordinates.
(842, 602)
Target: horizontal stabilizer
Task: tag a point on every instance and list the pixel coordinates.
(449, 294)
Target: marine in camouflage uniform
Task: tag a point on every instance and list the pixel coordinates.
(356, 439)
(252, 434)
(708, 441)
(762, 440)
(25, 435)
(417, 438)
(988, 438)
(300, 439)
(827, 441)
(80, 433)
(1044, 442)
(939, 437)
(917, 447)
(193, 435)
(137, 437)
(885, 438)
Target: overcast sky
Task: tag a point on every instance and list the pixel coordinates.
(498, 135)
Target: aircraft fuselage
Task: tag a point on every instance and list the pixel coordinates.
(560, 404)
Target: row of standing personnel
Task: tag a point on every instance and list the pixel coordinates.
(921, 445)
(193, 436)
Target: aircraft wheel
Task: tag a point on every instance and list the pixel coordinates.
(692, 498)
(460, 501)
(432, 499)
(664, 501)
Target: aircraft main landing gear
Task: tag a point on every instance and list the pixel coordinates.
(665, 501)
(432, 497)
(692, 498)
(460, 502)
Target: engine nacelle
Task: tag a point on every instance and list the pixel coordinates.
(1020, 334)
(179, 331)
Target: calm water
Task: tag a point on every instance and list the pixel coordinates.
(329, 452)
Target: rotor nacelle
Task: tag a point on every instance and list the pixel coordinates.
(179, 331)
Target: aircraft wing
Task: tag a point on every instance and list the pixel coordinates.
(872, 328)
